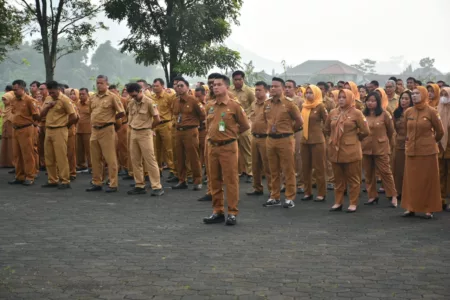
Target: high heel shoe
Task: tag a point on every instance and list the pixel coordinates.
(374, 201)
(320, 200)
(428, 217)
(349, 211)
(307, 198)
(408, 214)
(339, 208)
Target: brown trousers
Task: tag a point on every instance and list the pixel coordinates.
(381, 165)
(298, 159)
(187, 149)
(163, 145)
(36, 149)
(223, 163)
(56, 155)
(314, 157)
(330, 175)
(83, 150)
(202, 145)
(72, 152)
(444, 174)
(103, 144)
(41, 146)
(281, 159)
(23, 150)
(208, 191)
(399, 169)
(141, 142)
(6, 151)
(347, 173)
(260, 164)
(245, 152)
(122, 147)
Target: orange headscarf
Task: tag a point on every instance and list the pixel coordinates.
(437, 92)
(444, 112)
(384, 98)
(343, 115)
(77, 95)
(308, 105)
(354, 89)
(7, 112)
(335, 94)
(206, 87)
(423, 98)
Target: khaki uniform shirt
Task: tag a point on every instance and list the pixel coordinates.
(188, 111)
(317, 118)
(141, 113)
(280, 114)
(393, 103)
(381, 132)
(246, 97)
(165, 102)
(22, 110)
(58, 115)
(84, 123)
(400, 129)
(104, 107)
(259, 122)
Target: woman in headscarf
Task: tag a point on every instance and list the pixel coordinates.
(421, 187)
(376, 150)
(346, 126)
(312, 143)
(363, 92)
(72, 136)
(444, 147)
(350, 85)
(433, 94)
(384, 99)
(404, 103)
(335, 95)
(6, 152)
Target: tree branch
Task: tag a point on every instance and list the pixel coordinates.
(74, 20)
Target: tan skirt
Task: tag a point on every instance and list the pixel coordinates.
(421, 185)
(399, 169)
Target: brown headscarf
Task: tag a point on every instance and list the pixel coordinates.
(423, 98)
(354, 89)
(444, 112)
(384, 98)
(343, 115)
(437, 92)
(77, 95)
(335, 94)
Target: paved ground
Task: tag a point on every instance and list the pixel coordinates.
(75, 245)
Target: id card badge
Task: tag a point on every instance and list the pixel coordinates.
(179, 118)
(221, 126)
(274, 128)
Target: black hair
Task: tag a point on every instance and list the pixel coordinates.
(62, 88)
(330, 84)
(37, 83)
(20, 83)
(378, 109)
(324, 84)
(419, 82)
(262, 83)
(399, 110)
(84, 89)
(441, 81)
(213, 75)
(142, 80)
(341, 82)
(112, 87)
(44, 83)
(363, 87)
(411, 78)
(133, 87)
(376, 83)
(160, 80)
(201, 83)
(52, 85)
(398, 80)
(201, 90)
(8, 88)
(279, 80)
(393, 78)
(430, 82)
(66, 86)
(103, 77)
(225, 78)
(178, 78)
(293, 82)
(237, 73)
(184, 81)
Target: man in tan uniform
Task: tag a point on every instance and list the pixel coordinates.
(105, 107)
(60, 115)
(143, 115)
(200, 94)
(392, 96)
(281, 113)
(24, 113)
(260, 164)
(44, 93)
(83, 133)
(246, 97)
(225, 120)
(189, 113)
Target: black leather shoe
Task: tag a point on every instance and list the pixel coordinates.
(349, 211)
(428, 217)
(42, 169)
(110, 190)
(190, 180)
(64, 186)
(381, 191)
(205, 198)
(94, 188)
(214, 218)
(197, 187)
(72, 178)
(314, 186)
(28, 182)
(180, 186)
(15, 181)
(374, 201)
(171, 175)
(330, 186)
(231, 220)
(127, 177)
(12, 171)
(123, 173)
(300, 191)
(157, 193)
(307, 198)
(249, 179)
(49, 185)
(172, 180)
(137, 191)
(255, 193)
(339, 208)
(320, 200)
(409, 214)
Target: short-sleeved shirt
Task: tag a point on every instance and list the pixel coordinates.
(280, 114)
(141, 113)
(188, 111)
(259, 122)
(22, 110)
(84, 123)
(58, 115)
(232, 114)
(104, 107)
(164, 102)
(124, 102)
(246, 97)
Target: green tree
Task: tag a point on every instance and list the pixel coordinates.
(251, 77)
(427, 63)
(184, 36)
(367, 66)
(68, 19)
(11, 25)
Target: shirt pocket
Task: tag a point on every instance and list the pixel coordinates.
(106, 104)
(382, 139)
(350, 140)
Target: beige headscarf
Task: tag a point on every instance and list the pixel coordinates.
(444, 112)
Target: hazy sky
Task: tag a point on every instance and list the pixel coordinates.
(346, 30)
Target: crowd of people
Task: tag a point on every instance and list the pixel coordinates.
(298, 137)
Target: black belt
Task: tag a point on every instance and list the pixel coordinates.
(163, 122)
(186, 127)
(123, 123)
(103, 126)
(257, 135)
(280, 136)
(20, 127)
(301, 128)
(139, 129)
(221, 143)
(201, 128)
(57, 127)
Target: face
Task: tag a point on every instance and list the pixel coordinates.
(83, 96)
(410, 84)
(416, 97)
(183, 89)
(405, 100)
(347, 87)
(200, 96)
(309, 95)
(43, 90)
(54, 93)
(238, 81)
(38, 96)
(430, 93)
(73, 96)
(390, 89)
(342, 99)
(157, 87)
(102, 85)
(211, 84)
(290, 89)
(34, 88)
(341, 86)
(362, 93)
(322, 88)
(124, 93)
(277, 89)
(18, 91)
(115, 91)
(371, 102)
(260, 92)
(136, 95)
(175, 86)
(219, 87)
(400, 86)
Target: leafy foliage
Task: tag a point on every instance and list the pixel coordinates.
(367, 66)
(184, 36)
(11, 24)
(427, 62)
